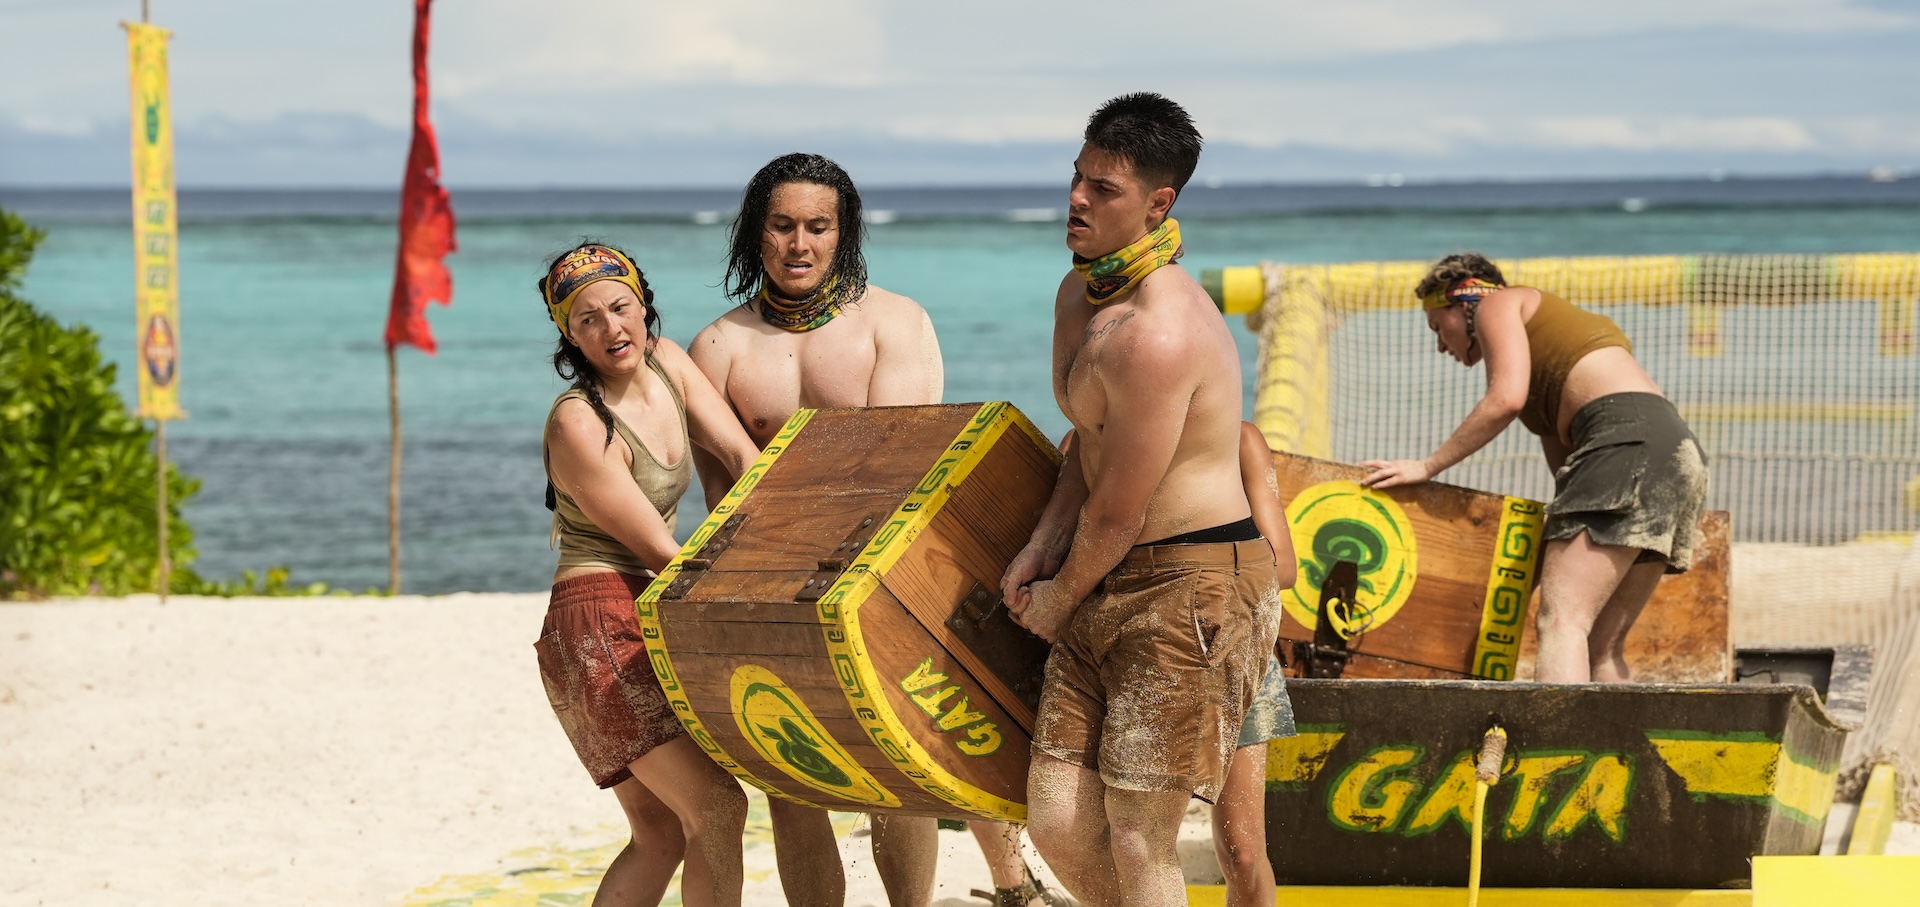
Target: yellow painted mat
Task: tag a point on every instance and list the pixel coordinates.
(566, 874)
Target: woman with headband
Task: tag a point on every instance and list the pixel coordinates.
(618, 458)
(1629, 476)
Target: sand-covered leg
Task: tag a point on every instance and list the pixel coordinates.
(1067, 819)
(804, 848)
(1144, 827)
(1577, 578)
(1000, 844)
(639, 875)
(906, 849)
(1607, 641)
(713, 817)
(1240, 830)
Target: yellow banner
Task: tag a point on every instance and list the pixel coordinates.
(155, 227)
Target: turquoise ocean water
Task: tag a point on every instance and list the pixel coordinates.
(284, 299)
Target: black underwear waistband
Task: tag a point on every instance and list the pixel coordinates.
(1237, 531)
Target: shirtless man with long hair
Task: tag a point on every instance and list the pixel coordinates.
(810, 331)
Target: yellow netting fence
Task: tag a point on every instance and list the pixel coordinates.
(1797, 372)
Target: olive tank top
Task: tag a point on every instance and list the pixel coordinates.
(581, 543)
(1559, 335)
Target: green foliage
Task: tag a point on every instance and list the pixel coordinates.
(274, 583)
(77, 470)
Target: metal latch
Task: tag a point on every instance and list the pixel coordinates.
(835, 562)
(1014, 655)
(1327, 655)
(692, 568)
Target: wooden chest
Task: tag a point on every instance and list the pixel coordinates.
(1436, 581)
(833, 633)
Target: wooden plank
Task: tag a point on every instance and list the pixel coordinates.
(710, 638)
(785, 532)
(853, 451)
(1371, 667)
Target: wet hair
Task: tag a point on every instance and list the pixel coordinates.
(1452, 269)
(746, 270)
(1151, 132)
(571, 363)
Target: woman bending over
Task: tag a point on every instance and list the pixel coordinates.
(1629, 477)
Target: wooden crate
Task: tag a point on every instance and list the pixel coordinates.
(1446, 575)
(833, 633)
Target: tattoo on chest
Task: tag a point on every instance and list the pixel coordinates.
(1095, 333)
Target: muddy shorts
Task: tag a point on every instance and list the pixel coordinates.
(1152, 678)
(1271, 714)
(598, 677)
(1636, 479)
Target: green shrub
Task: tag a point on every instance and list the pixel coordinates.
(276, 582)
(77, 470)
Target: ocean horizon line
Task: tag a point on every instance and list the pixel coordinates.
(1380, 179)
(1015, 203)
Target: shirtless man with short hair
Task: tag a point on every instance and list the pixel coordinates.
(811, 332)
(1146, 571)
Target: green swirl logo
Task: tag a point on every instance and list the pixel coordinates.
(1342, 521)
(783, 731)
(803, 752)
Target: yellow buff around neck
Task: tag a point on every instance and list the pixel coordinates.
(1116, 272)
(583, 266)
(802, 315)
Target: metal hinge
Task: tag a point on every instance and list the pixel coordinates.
(836, 562)
(697, 566)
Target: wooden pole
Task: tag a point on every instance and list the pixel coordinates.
(160, 508)
(393, 474)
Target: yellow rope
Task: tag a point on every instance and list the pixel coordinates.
(1493, 750)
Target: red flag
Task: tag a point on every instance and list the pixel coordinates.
(426, 218)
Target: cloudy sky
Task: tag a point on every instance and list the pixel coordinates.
(700, 92)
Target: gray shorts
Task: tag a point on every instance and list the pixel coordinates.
(1636, 479)
(1271, 714)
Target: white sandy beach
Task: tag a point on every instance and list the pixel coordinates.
(327, 751)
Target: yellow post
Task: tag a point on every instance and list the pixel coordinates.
(1237, 290)
(1290, 390)
(1874, 823)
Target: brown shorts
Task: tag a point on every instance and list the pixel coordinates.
(598, 677)
(1636, 479)
(1150, 681)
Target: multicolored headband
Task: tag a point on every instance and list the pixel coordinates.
(583, 266)
(1473, 289)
